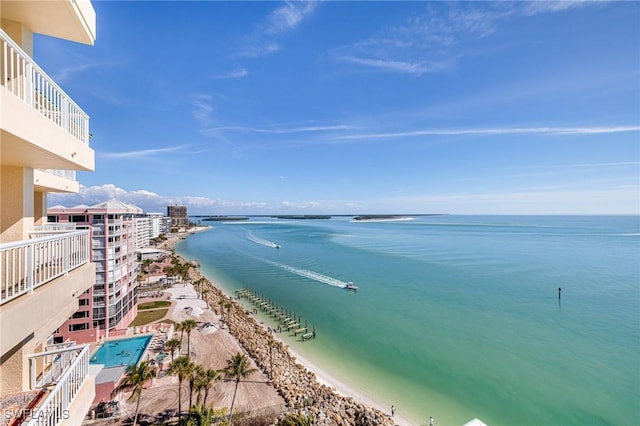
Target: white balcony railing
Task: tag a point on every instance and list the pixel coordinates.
(20, 75)
(26, 265)
(67, 174)
(64, 369)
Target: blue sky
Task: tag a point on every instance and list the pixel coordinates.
(359, 107)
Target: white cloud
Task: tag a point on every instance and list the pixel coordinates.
(286, 18)
(437, 39)
(289, 16)
(415, 68)
(151, 202)
(141, 153)
(493, 131)
(280, 131)
(239, 73)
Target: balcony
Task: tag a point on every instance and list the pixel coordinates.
(59, 376)
(42, 126)
(27, 265)
(40, 280)
(51, 180)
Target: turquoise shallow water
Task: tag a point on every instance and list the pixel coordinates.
(457, 316)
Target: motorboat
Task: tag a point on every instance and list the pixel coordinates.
(350, 286)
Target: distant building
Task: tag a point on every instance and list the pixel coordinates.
(150, 226)
(111, 304)
(178, 215)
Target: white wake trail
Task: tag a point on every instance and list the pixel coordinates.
(257, 240)
(308, 274)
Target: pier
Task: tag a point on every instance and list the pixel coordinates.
(286, 320)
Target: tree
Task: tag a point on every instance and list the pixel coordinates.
(228, 306)
(199, 284)
(203, 383)
(136, 377)
(181, 367)
(178, 327)
(172, 345)
(236, 370)
(197, 371)
(205, 292)
(187, 326)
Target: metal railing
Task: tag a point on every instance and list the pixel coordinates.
(26, 265)
(66, 370)
(20, 75)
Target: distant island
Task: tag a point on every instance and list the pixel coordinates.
(379, 217)
(224, 218)
(304, 216)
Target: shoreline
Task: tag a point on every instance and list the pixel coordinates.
(312, 383)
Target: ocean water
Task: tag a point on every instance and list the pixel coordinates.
(456, 317)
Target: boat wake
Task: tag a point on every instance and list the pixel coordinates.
(309, 274)
(260, 241)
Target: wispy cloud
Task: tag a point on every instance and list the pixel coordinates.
(203, 110)
(281, 131)
(67, 73)
(437, 39)
(415, 68)
(239, 73)
(144, 153)
(288, 16)
(493, 131)
(584, 165)
(283, 19)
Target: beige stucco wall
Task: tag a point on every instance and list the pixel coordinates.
(16, 203)
(20, 34)
(30, 319)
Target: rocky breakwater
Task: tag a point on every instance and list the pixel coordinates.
(298, 386)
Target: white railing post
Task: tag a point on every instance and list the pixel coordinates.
(29, 265)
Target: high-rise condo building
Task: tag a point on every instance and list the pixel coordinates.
(178, 215)
(111, 305)
(44, 268)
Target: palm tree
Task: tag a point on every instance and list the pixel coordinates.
(187, 326)
(193, 378)
(171, 345)
(199, 284)
(228, 306)
(221, 303)
(204, 296)
(237, 369)
(204, 382)
(178, 327)
(182, 368)
(137, 376)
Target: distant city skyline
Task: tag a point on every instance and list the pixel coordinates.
(359, 107)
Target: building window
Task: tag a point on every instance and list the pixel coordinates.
(79, 219)
(80, 314)
(78, 327)
(57, 340)
(83, 302)
(52, 219)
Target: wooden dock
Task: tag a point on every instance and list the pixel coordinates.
(286, 320)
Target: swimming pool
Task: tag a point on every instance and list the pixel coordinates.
(124, 352)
